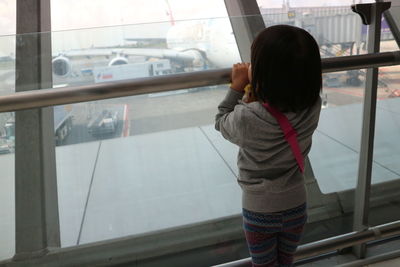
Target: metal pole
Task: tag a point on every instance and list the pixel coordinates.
(36, 206)
(370, 260)
(247, 22)
(371, 15)
(335, 243)
(392, 24)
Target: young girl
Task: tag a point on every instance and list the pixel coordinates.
(273, 126)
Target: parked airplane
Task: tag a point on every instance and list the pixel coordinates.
(191, 45)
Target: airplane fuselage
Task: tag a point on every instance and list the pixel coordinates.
(214, 38)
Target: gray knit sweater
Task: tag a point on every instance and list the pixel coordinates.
(268, 172)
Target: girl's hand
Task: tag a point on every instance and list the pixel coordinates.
(240, 76)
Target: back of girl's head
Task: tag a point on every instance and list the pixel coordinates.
(286, 68)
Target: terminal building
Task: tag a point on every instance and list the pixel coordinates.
(109, 155)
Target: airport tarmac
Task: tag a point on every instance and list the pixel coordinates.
(179, 109)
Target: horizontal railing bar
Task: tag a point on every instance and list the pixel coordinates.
(360, 61)
(68, 95)
(335, 243)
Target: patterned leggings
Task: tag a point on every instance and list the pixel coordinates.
(273, 238)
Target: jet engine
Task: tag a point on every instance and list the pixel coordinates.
(61, 66)
(199, 59)
(118, 61)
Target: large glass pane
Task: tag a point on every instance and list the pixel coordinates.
(173, 131)
(385, 197)
(171, 169)
(335, 151)
(7, 64)
(7, 209)
(7, 86)
(168, 134)
(121, 159)
(7, 46)
(8, 18)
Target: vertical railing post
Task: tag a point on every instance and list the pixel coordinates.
(371, 15)
(247, 22)
(36, 202)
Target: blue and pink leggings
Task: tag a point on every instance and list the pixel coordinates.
(273, 238)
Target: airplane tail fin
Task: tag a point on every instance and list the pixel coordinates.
(169, 13)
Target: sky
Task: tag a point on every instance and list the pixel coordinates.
(83, 14)
(75, 14)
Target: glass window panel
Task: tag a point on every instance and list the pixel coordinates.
(7, 64)
(388, 42)
(384, 197)
(126, 138)
(7, 86)
(8, 18)
(336, 142)
(129, 182)
(7, 197)
(385, 209)
(7, 46)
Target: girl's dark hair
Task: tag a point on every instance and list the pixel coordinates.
(286, 68)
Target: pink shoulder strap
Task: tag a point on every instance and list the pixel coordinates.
(289, 132)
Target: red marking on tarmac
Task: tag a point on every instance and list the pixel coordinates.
(125, 131)
(107, 76)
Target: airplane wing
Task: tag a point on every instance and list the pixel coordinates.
(149, 52)
(146, 40)
(160, 53)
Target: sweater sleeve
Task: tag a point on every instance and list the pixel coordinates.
(229, 118)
